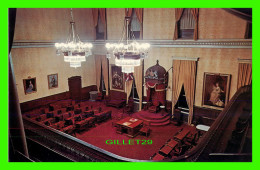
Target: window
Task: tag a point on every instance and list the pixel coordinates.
(186, 25)
(102, 83)
(100, 29)
(134, 93)
(182, 102)
(134, 27)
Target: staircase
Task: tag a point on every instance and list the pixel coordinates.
(155, 119)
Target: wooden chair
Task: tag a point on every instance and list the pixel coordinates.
(116, 118)
(157, 157)
(145, 129)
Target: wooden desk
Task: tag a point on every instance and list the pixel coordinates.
(182, 134)
(166, 150)
(130, 126)
(158, 157)
(172, 143)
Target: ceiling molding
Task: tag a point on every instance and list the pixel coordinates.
(220, 43)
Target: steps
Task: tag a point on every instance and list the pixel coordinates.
(155, 119)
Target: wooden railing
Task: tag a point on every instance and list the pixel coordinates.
(208, 143)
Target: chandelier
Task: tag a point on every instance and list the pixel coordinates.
(74, 51)
(127, 55)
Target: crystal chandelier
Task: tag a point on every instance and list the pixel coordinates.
(127, 55)
(74, 50)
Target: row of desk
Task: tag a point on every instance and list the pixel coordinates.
(171, 145)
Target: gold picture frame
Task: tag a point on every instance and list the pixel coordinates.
(215, 93)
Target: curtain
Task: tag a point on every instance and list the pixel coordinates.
(138, 75)
(139, 14)
(95, 16)
(178, 14)
(244, 74)
(95, 19)
(104, 64)
(195, 14)
(11, 26)
(98, 70)
(248, 32)
(102, 13)
(128, 12)
(128, 87)
(189, 75)
(177, 82)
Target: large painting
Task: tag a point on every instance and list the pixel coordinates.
(29, 85)
(117, 78)
(215, 90)
(52, 81)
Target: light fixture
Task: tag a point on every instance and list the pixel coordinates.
(74, 50)
(127, 55)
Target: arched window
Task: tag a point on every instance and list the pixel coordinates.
(134, 26)
(186, 25)
(134, 93)
(100, 22)
(100, 29)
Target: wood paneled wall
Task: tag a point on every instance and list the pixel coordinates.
(40, 62)
(44, 101)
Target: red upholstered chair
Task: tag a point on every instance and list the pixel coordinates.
(153, 109)
(145, 129)
(153, 106)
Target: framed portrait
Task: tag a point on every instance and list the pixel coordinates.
(29, 85)
(215, 90)
(117, 77)
(52, 81)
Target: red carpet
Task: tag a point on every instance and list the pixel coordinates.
(105, 131)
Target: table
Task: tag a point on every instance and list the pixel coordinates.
(182, 134)
(203, 127)
(172, 143)
(130, 126)
(158, 157)
(166, 150)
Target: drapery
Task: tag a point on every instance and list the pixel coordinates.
(178, 14)
(189, 85)
(98, 70)
(104, 64)
(195, 14)
(95, 16)
(244, 74)
(177, 82)
(128, 12)
(184, 73)
(156, 93)
(102, 13)
(128, 87)
(248, 32)
(11, 26)
(139, 14)
(138, 75)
